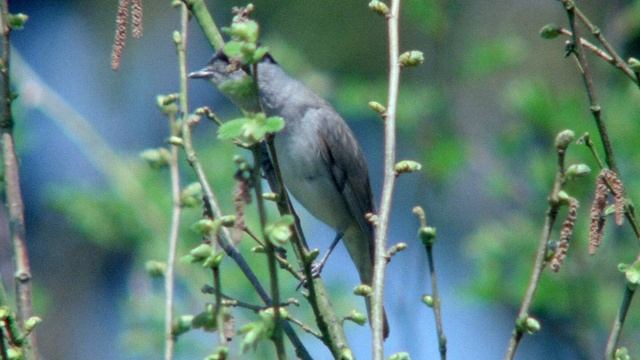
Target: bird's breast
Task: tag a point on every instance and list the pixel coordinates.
(308, 178)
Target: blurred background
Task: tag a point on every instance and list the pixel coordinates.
(481, 115)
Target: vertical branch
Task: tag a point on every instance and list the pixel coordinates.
(524, 323)
(210, 200)
(330, 325)
(173, 243)
(175, 196)
(572, 13)
(377, 312)
(271, 257)
(13, 193)
(428, 236)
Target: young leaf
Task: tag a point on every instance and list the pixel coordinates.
(232, 129)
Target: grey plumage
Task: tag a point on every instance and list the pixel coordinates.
(321, 162)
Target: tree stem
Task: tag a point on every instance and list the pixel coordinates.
(380, 246)
(13, 193)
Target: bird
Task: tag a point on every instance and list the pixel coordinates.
(321, 162)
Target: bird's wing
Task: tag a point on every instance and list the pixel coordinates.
(345, 160)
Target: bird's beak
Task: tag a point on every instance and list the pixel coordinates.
(203, 73)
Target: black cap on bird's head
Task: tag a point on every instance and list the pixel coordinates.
(221, 68)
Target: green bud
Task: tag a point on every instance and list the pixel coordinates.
(221, 353)
(362, 290)
(550, 31)
(411, 58)
(346, 354)
(622, 354)
(312, 255)
(155, 268)
(407, 166)
(207, 226)
(176, 140)
(4, 313)
(201, 251)
(428, 300)
(577, 170)
(400, 356)
(270, 196)
(156, 158)
(258, 249)
(563, 139)
(357, 317)
(427, 235)
(15, 354)
(377, 107)
(631, 272)
(279, 232)
(191, 195)
(17, 21)
(563, 197)
(31, 324)
(213, 260)
(397, 248)
(634, 64)
(228, 220)
(532, 325)
(379, 7)
(177, 37)
(182, 325)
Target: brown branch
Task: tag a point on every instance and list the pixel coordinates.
(522, 318)
(13, 193)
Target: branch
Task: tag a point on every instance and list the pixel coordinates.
(428, 237)
(524, 323)
(271, 257)
(13, 193)
(380, 243)
(211, 203)
(328, 322)
(176, 209)
(571, 7)
(616, 329)
(202, 15)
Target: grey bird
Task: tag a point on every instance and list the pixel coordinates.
(321, 162)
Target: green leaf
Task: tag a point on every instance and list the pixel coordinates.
(206, 320)
(279, 232)
(260, 53)
(274, 124)
(233, 49)
(232, 129)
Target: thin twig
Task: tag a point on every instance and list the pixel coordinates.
(305, 327)
(616, 328)
(211, 202)
(572, 13)
(13, 193)
(587, 44)
(173, 243)
(271, 258)
(380, 244)
(428, 239)
(176, 208)
(618, 61)
(328, 322)
(539, 264)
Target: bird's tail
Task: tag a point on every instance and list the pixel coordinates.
(360, 247)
